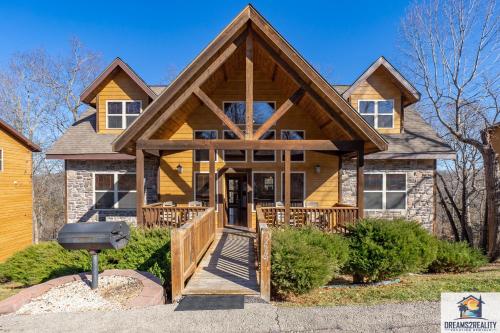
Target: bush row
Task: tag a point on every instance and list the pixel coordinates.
(374, 250)
(147, 250)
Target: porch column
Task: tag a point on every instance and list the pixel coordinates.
(139, 179)
(360, 181)
(287, 185)
(211, 177)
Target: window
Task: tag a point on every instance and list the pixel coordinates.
(233, 155)
(298, 189)
(114, 191)
(236, 111)
(264, 188)
(265, 155)
(1, 160)
(201, 155)
(379, 114)
(296, 155)
(120, 114)
(201, 186)
(385, 191)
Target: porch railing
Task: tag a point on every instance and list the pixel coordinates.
(331, 219)
(156, 215)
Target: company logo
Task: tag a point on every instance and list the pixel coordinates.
(467, 312)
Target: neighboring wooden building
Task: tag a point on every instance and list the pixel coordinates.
(250, 122)
(16, 191)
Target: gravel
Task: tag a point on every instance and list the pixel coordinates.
(112, 294)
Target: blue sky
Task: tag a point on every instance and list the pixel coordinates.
(339, 38)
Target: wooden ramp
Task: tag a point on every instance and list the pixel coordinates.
(228, 267)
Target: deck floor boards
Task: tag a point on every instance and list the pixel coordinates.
(228, 267)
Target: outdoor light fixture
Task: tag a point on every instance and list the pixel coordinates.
(317, 168)
(179, 169)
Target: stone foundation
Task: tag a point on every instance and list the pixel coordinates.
(420, 188)
(80, 189)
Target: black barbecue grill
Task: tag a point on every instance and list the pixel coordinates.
(94, 237)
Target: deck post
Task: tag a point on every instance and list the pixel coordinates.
(265, 261)
(287, 185)
(360, 181)
(211, 177)
(139, 171)
(177, 269)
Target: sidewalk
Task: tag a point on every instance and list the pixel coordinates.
(235, 313)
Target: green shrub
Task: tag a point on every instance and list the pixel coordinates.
(147, 250)
(304, 259)
(456, 257)
(383, 249)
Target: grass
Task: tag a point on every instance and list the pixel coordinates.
(9, 289)
(413, 288)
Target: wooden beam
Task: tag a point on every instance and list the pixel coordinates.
(319, 145)
(249, 86)
(218, 112)
(360, 181)
(274, 72)
(211, 177)
(294, 99)
(287, 185)
(139, 172)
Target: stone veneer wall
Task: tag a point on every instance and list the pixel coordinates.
(80, 189)
(420, 188)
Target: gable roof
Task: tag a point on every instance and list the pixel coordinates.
(19, 137)
(249, 16)
(91, 91)
(412, 94)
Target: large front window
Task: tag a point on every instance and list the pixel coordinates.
(201, 155)
(201, 188)
(297, 190)
(233, 155)
(264, 186)
(236, 111)
(265, 155)
(379, 114)
(120, 114)
(295, 155)
(385, 191)
(114, 191)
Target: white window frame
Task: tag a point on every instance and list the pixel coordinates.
(274, 159)
(224, 151)
(253, 184)
(216, 151)
(376, 114)
(385, 191)
(216, 186)
(282, 187)
(124, 113)
(1, 160)
(115, 189)
(281, 138)
(259, 101)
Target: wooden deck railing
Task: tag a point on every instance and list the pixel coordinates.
(264, 257)
(156, 215)
(331, 219)
(188, 245)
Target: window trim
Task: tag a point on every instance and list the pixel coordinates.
(224, 151)
(115, 190)
(283, 182)
(2, 167)
(216, 151)
(244, 102)
(385, 191)
(124, 113)
(274, 159)
(253, 184)
(376, 114)
(216, 186)
(281, 138)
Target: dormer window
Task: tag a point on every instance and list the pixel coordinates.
(120, 114)
(378, 113)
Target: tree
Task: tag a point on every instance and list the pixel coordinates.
(452, 46)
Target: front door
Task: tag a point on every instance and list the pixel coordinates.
(236, 194)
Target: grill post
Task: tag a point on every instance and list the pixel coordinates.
(95, 268)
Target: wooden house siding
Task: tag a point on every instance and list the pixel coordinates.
(15, 196)
(380, 86)
(322, 187)
(118, 87)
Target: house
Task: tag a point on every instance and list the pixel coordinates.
(16, 190)
(249, 122)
